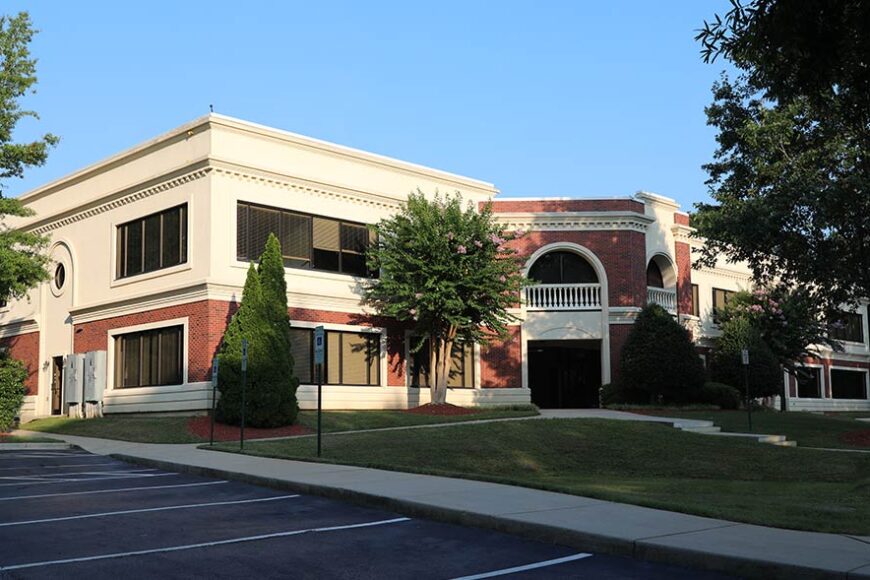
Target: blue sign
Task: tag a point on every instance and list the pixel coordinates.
(319, 341)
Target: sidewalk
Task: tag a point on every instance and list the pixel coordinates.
(584, 523)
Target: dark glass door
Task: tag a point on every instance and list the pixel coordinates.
(564, 377)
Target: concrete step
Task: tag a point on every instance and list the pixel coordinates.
(706, 430)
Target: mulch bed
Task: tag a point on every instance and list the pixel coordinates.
(860, 438)
(441, 410)
(201, 427)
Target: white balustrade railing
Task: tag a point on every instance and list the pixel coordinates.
(563, 297)
(667, 299)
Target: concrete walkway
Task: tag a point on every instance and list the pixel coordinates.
(584, 523)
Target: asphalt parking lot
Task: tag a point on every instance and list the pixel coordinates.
(73, 514)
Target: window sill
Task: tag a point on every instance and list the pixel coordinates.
(117, 282)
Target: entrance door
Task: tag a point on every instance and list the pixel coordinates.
(565, 374)
(57, 385)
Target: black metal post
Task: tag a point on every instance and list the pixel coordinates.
(319, 405)
(244, 388)
(214, 382)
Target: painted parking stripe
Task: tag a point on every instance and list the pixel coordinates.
(49, 477)
(87, 479)
(145, 510)
(50, 467)
(516, 569)
(120, 489)
(204, 544)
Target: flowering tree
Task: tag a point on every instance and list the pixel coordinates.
(448, 271)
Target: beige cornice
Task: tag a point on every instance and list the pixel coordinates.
(120, 198)
(18, 327)
(726, 273)
(271, 179)
(587, 220)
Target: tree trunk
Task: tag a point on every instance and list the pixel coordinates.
(439, 365)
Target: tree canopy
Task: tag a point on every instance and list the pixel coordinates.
(22, 259)
(448, 272)
(790, 179)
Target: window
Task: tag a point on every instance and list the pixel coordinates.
(461, 366)
(850, 327)
(3, 303)
(696, 301)
(720, 299)
(150, 358)
(152, 243)
(351, 358)
(809, 383)
(562, 268)
(654, 278)
(59, 276)
(846, 384)
(309, 242)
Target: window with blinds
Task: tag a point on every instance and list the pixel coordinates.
(310, 242)
(351, 358)
(461, 366)
(150, 358)
(696, 301)
(152, 243)
(720, 299)
(849, 328)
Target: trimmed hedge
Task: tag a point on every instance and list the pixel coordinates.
(765, 373)
(13, 373)
(723, 396)
(660, 360)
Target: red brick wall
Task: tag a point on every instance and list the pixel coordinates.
(683, 255)
(618, 335)
(681, 219)
(501, 363)
(25, 347)
(622, 252)
(553, 205)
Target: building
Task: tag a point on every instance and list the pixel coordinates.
(151, 247)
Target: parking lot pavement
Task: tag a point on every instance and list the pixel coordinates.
(72, 514)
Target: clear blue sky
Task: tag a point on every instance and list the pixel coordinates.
(542, 98)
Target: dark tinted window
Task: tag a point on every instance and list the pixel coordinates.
(154, 242)
(149, 358)
(696, 301)
(846, 384)
(310, 242)
(562, 268)
(809, 383)
(849, 328)
(654, 277)
(351, 358)
(461, 366)
(720, 299)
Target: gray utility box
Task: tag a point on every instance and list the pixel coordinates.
(74, 378)
(95, 375)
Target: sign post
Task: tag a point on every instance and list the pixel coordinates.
(319, 339)
(745, 359)
(214, 382)
(244, 387)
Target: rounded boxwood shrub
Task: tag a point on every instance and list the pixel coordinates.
(765, 373)
(660, 360)
(13, 373)
(721, 395)
(618, 394)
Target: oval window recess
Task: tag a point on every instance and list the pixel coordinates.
(59, 276)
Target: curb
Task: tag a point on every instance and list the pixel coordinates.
(35, 446)
(588, 542)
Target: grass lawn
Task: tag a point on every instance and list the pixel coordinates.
(144, 429)
(27, 439)
(808, 429)
(639, 463)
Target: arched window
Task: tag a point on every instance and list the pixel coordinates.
(654, 278)
(562, 268)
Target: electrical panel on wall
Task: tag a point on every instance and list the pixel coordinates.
(95, 382)
(73, 378)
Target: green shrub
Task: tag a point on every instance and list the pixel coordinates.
(660, 360)
(13, 373)
(721, 395)
(726, 366)
(270, 392)
(612, 394)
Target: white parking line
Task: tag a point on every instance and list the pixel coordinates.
(94, 479)
(47, 467)
(203, 545)
(65, 476)
(120, 489)
(515, 569)
(144, 510)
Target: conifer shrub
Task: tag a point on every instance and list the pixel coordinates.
(261, 318)
(660, 360)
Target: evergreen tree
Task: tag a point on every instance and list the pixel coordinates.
(660, 360)
(262, 319)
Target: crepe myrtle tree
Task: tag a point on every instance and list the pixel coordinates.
(447, 270)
